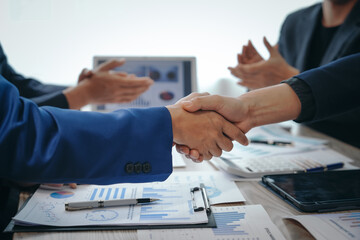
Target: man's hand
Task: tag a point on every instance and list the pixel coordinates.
(104, 86)
(232, 109)
(204, 131)
(259, 107)
(255, 72)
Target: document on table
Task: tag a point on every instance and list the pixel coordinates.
(235, 223)
(277, 133)
(174, 207)
(177, 159)
(219, 187)
(272, 132)
(336, 225)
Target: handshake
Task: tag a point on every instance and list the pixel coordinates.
(204, 125)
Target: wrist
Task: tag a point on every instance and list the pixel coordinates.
(271, 105)
(175, 114)
(78, 96)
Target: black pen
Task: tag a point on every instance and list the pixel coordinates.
(273, 143)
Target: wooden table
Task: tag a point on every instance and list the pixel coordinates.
(253, 192)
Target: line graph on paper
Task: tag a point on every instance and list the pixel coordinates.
(46, 210)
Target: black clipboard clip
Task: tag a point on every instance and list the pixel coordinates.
(204, 194)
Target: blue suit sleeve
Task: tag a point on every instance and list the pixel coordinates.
(49, 144)
(335, 86)
(41, 94)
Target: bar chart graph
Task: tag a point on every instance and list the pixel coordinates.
(229, 223)
(249, 222)
(108, 193)
(352, 220)
(169, 208)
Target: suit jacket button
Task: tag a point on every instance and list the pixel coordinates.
(138, 167)
(146, 167)
(129, 168)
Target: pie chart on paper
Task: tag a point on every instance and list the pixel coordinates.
(61, 194)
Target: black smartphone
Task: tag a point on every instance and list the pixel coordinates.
(318, 192)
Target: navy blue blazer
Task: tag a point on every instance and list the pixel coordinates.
(331, 97)
(298, 29)
(50, 144)
(41, 94)
(294, 46)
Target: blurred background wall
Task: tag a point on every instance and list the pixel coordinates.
(53, 40)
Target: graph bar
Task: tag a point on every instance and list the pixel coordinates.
(101, 192)
(116, 193)
(108, 194)
(123, 193)
(93, 194)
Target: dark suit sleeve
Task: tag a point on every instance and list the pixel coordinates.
(335, 87)
(49, 144)
(41, 94)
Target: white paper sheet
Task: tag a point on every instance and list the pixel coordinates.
(331, 226)
(219, 187)
(175, 207)
(235, 223)
(177, 159)
(272, 132)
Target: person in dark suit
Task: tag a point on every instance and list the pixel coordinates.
(97, 86)
(313, 95)
(309, 38)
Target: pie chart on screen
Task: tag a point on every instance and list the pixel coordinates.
(61, 194)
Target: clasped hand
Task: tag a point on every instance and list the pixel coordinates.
(202, 130)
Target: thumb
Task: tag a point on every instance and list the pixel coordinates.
(211, 102)
(190, 106)
(107, 66)
(272, 50)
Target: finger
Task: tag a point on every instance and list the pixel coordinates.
(211, 102)
(242, 75)
(224, 143)
(215, 151)
(232, 71)
(276, 47)
(243, 51)
(252, 50)
(234, 133)
(133, 91)
(195, 154)
(239, 58)
(85, 73)
(73, 185)
(270, 48)
(122, 74)
(251, 46)
(191, 96)
(107, 66)
(207, 156)
(135, 82)
(182, 149)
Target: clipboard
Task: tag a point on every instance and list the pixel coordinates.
(13, 228)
